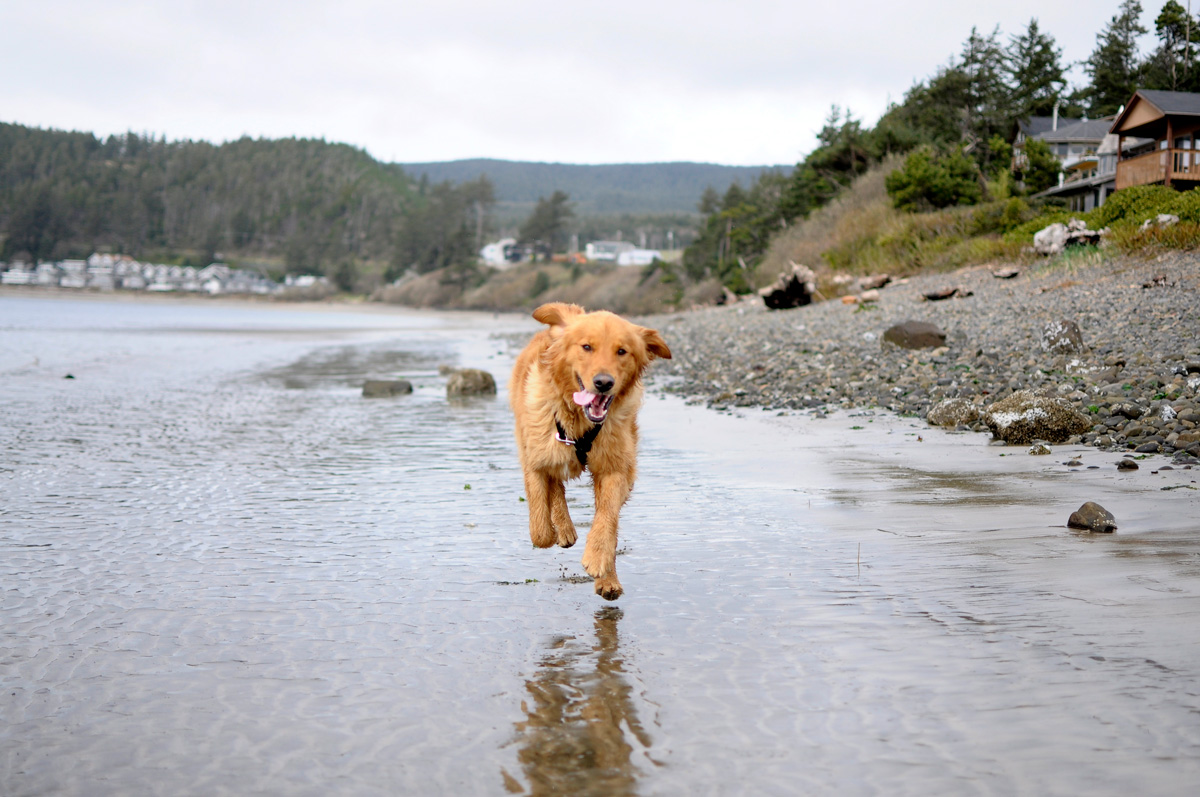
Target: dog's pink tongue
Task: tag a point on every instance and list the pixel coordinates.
(584, 397)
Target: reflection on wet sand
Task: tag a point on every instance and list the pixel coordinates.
(574, 739)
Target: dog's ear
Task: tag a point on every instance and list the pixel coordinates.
(655, 344)
(557, 314)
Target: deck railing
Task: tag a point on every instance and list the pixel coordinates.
(1155, 167)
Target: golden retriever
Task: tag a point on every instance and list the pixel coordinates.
(575, 393)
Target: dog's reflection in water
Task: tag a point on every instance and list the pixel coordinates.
(581, 723)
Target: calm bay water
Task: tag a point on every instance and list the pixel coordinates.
(222, 571)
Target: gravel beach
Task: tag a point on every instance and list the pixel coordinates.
(1135, 376)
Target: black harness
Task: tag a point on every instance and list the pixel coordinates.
(583, 445)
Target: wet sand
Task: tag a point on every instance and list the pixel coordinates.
(222, 571)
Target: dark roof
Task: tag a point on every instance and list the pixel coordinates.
(1088, 130)
(1036, 125)
(1178, 103)
(1167, 103)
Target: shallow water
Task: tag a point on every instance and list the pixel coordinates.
(223, 571)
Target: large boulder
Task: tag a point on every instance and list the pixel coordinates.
(915, 335)
(1093, 517)
(470, 382)
(793, 288)
(1026, 416)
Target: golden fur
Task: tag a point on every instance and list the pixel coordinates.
(581, 351)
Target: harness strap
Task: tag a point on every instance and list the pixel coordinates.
(583, 445)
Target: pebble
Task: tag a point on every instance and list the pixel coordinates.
(1140, 345)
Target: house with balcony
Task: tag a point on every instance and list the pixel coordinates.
(1158, 135)
(1086, 152)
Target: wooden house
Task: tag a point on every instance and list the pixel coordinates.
(1169, 121)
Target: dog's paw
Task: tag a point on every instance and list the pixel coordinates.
(566, 537)
(595, 563)
(542, 536)
(609, 588)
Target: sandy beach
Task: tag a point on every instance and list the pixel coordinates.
(224, 571)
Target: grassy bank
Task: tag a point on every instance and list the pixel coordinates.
(859, 233)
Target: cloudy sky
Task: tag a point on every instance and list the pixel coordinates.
(619, 81)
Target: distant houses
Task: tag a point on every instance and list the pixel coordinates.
(1155, 139)
(107, 272)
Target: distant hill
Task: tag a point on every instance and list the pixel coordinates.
(608, 189)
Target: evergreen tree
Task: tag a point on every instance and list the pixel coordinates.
(1170, 65)
(1113, 69)
(546, 227)
(1033, 66)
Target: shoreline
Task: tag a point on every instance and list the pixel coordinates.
(1139, 321)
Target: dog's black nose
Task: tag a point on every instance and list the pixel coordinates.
(603, 383)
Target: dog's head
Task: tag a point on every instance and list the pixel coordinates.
(597, 357)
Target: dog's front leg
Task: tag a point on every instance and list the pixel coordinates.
(537, 492)
(600, 552)
(564, 528)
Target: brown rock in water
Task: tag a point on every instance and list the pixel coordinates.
(470, 382)
(1127, 464)
(1026, 416)
(1093, 517)
(384, 388)
(915, 335)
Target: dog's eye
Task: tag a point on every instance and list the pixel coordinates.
(621, 352)
(587, 347)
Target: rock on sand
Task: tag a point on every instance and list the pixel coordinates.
(470, 382)
(1026, 416)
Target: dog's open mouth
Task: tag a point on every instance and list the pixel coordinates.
(595, 406)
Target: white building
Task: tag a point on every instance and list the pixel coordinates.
(607, 251)
(638, 257)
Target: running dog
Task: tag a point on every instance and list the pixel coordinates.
(575, 393)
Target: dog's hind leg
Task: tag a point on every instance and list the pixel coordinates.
(600, 552)
(558, 513)
(538, 494)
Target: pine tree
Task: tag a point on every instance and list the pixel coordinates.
(1113, 67)
(1170, 66)
(1033, 65)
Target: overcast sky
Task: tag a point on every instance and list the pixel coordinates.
(745, 83)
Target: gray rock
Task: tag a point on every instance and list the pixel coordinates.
(1127, 464)
(470, 382)
(953, 412)
(1093, 517)
(1062, 337)
(385, 388)
(915, 335)
(1128, 409)
(1026, 416)
(1050, 240)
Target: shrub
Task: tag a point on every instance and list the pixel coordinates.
(1041, 167)
(1135, 205)
(928, 181)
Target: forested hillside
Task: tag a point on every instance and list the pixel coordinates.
(301, 205)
